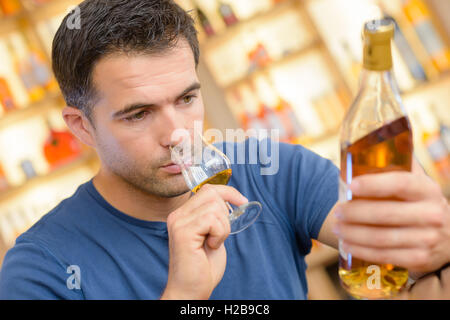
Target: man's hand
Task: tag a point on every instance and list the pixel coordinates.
(197, 231)
(408, 225)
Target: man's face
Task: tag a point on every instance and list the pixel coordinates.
(142, 100)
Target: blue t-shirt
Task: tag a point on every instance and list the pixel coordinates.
(86, 249)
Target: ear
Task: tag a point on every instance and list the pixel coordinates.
(79, 125)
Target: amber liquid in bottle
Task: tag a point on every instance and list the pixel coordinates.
(389, 148)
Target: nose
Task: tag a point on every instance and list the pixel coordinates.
(172, 126)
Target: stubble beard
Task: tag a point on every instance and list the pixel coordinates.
(148, 178)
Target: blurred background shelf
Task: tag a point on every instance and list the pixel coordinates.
(86, 158)
(422, 88)
(291, 65)
(52, 100)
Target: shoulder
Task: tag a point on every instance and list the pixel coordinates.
(57, 232)
(58, 220)
(32, 271)
(35, 267)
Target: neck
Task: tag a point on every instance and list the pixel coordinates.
(134, 201)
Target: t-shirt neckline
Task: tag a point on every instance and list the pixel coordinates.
(157, 225)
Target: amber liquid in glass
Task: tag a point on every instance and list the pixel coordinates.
(220, 178)
(389, 148)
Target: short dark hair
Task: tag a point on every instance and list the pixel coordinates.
(114, 26)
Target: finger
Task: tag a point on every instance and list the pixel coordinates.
(396, 184)
(386, 237)
(411, 258)
(390, 213)
(226, 193)
(214, 205)
(219, 208)
(217, 234)
(209, 193)
(209, 221)
(223, 214)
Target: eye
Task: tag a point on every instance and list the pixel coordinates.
(188, 99)
(138, 116)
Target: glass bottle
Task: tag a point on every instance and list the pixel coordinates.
(376, 137)
(6, 98)
(227, 13)
(205, 23)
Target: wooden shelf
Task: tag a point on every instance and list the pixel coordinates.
(229, 32)
(314, 45)
(52, 100)
(444, 79)
(309, 141)
(84, 159)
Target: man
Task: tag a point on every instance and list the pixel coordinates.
(136, 232)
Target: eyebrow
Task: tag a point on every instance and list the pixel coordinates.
(135, 106)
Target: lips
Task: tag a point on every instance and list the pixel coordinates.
(172, 168)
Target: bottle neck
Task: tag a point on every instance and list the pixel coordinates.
(381, 83)
(377, 57)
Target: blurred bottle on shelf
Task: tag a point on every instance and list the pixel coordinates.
(434, 143)
(10, 7)
(330, 109)
(418, 14)
(289, 119)
(438, 153)
(25, 67)
(355, 65)
(336, 106)
(3, 181)
(343, 96)
(322, 108)
(204, 22)
(6, 99)
(249, 112)
(266, 101)
(257, 54)
(408, 55)
(28, 169)
(227, 13)
(278, 111)
(444, 129)
(60, 147)
(41, 70)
